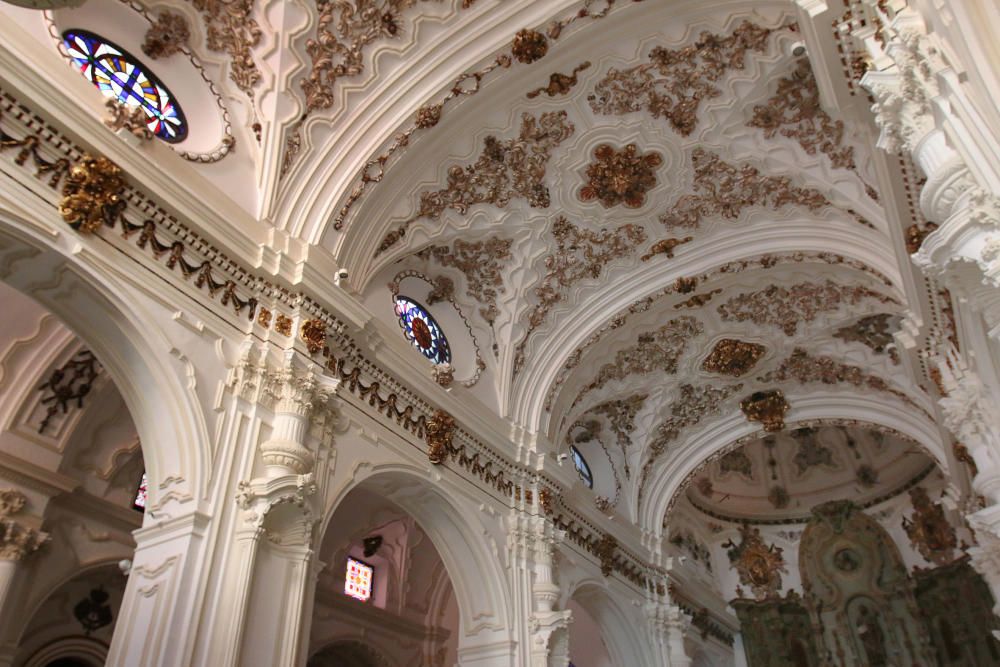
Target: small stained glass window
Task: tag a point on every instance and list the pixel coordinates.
(139, 503)
(120, 76)
(358, 582)
(581, 467)
(421, 329)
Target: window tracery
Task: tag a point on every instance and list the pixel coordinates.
(422, 330)
(582, 468)
(121, 77)
(358, 581)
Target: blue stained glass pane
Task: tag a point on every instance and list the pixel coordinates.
(581, 467)
(421, 329)
(119, 75)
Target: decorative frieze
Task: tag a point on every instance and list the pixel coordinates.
(580, 254)
(620, 176)
(656, 351)
(788, 307)
(506, 169)
(724, 190)
(673, 84)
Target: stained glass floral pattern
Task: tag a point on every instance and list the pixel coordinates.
(358, 582)
(581, 467)
(139, 503)
(421, 329)
(120, 76)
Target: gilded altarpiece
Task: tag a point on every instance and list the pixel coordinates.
(958, 613)
(776, 632)
(858, 592)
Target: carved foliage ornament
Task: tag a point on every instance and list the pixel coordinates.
(758, 564)
(733, 357)
(929, 530)
(560, 84)
(344, 30)
(724, 190)
(787, 307)
(169, 34)
(133, 119)
(674, 82)
(795, 112)
(620, 176)
(482, 263)
(232, 31)
(580, 254)
(505, 170)
(766, 407)
(68, 384)
(313, 333)
(92, 194)
(439, 431)
(605, 551)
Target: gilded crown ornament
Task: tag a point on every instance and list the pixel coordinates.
(313, 333)
(92, 194)
(620, 176)
(766, 407)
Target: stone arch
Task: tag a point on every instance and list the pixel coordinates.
(815, 408)
(90, 300)
(461, 540)
(619, 632)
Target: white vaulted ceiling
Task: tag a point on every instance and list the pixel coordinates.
(586, 284)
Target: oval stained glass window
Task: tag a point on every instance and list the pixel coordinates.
(421, 329)
(120, 76)
(581, 467)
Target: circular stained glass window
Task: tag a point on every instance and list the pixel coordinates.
(421, 329)
(120, 76)
(581, 467)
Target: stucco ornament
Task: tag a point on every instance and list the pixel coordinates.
(766, 407)
(620, 176)
(758, 564)
(132, 119)
(733, 357)
(92, 194)
(440, 430)
(168, 35)
(12, 501)
(929, 530)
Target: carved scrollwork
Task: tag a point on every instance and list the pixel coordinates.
(92, 194)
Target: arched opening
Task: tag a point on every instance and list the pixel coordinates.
(346, 654)
(404, 574)
(600, 634)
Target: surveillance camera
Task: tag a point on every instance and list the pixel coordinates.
(798, 49)
(561, 458)
(682, 559)
(125, 565)
(342, 274)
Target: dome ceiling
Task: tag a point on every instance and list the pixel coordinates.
(783, 476)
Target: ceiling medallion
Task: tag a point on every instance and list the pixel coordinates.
(766, 407)
(620, 176)
(759, 564)
(529, 46)
(733, 357)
